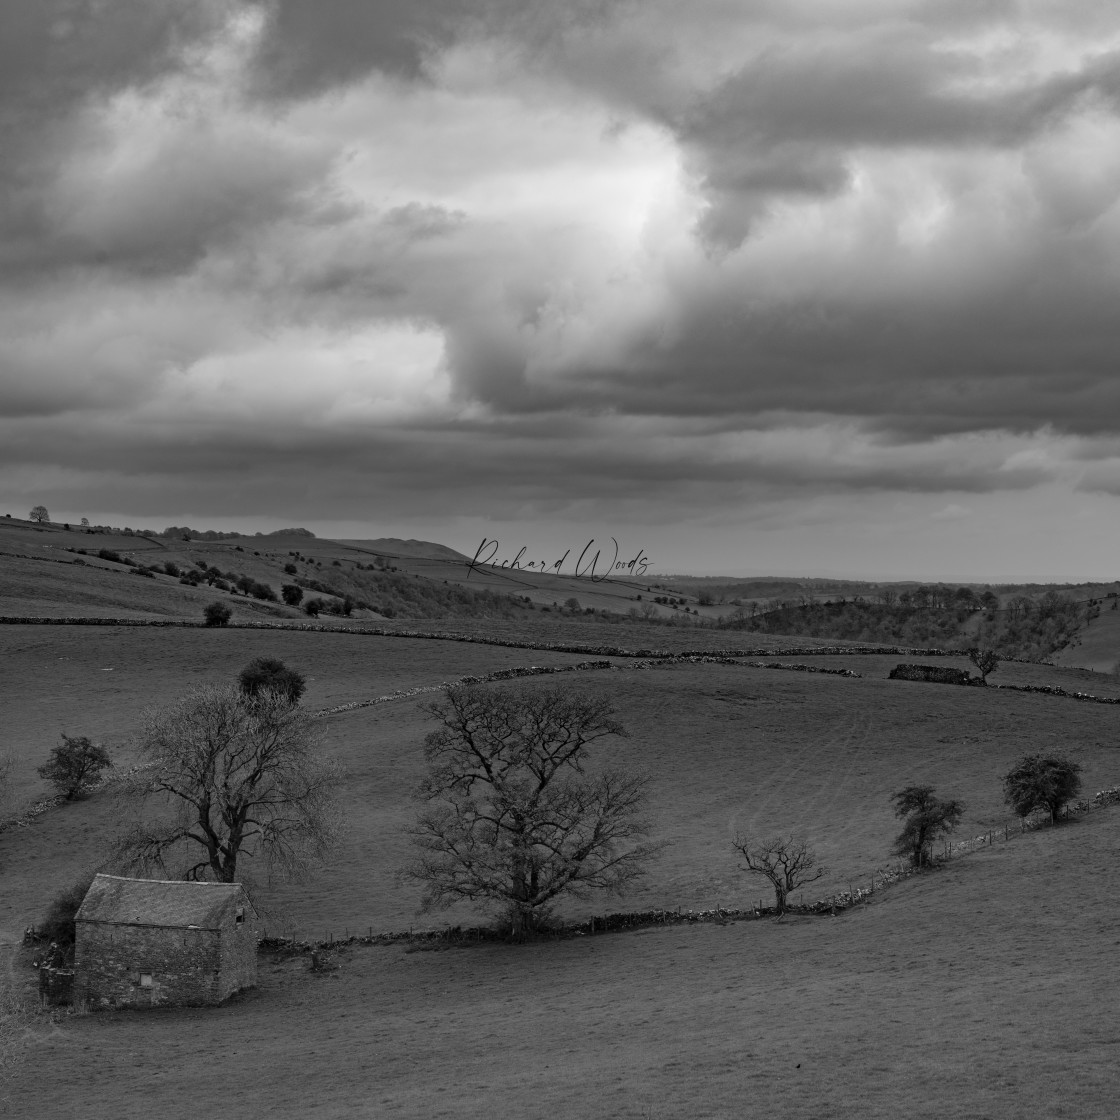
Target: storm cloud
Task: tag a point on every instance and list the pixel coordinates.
(720, 262)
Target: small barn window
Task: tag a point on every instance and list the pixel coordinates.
(145, 979)
(240, 914)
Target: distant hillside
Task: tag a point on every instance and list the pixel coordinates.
(184, 532)
(394, 546)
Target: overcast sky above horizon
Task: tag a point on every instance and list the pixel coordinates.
(810, 286)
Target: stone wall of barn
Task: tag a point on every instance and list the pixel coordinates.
(145, 966)
(238, 954)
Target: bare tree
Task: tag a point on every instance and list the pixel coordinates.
(787, 862)
(39, 514)
(243, 779)
(986, 660)
(510, 818)
(926, 818)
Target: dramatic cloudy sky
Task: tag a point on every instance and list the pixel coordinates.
(820, 286)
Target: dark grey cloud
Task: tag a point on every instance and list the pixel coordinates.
(310, 258)
(788, 122)
(57, 55)
(311, 48)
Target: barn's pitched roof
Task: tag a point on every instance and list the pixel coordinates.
(155, 902)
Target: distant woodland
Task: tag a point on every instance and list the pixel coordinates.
(1025, 627)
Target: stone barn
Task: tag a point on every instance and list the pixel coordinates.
(151, 943)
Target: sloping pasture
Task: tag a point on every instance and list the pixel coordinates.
(96, 681)
(728, 749)
(100, 589)
(984, 990)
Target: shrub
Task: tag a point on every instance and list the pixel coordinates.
(290, 569)
(313, 606)
(171, 568)
(216, 613)
(109, 554)
(271, 673)
(292, 593)
(58, 922)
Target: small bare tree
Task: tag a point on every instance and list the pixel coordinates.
(986, 660)
(39, 515)
(787, 862)
(243, 778)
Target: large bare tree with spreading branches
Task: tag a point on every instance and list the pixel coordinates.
(241, 777)
(788, 863)
(511, 819)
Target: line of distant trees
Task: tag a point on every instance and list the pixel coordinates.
(1025, 627)
(41, 516)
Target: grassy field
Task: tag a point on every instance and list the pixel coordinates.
(729, 748)
(986, 989)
